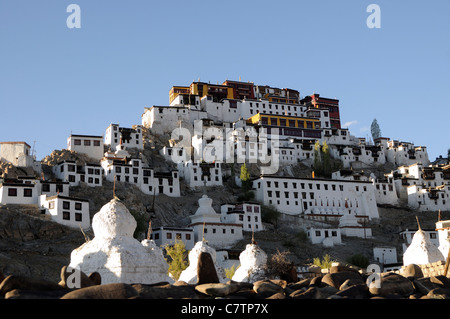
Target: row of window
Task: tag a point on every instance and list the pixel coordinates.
(27, 192)
(66, 205)
(67, 215)
(86, 142)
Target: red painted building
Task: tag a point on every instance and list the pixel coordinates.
(332, 105)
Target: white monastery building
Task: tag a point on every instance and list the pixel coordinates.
(128, 137)
(90, 145)
(316, 198)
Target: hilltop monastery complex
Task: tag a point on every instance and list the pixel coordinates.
(212, 125)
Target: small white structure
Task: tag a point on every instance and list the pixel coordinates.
(207, 224)
(442, 227)
(129, 137)
(349, 226)
(18, 192)
(421, 251)
(252, 259)
(189, 275)
(196, 174)
(167, 235)
(247, 213)
(164, 119)
(17, 153)
(115, 254)
(69, 211)
(325, 236)
(69, 171)
(385, 255)
(90, 145)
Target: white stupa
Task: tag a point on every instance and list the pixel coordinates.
(421, 251)
(252, 260)
(189, 275)
(115, 254)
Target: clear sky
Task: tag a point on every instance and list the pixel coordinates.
(55, 81)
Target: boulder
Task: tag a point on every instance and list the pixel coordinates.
(338, 278)
(217, 289)
(392, 283)
(266, 288)
(107, 291)
(358, 291)
(413, 271)
(206, 270)
(82, 280)
(424, 285)
(26, 283)
(165, 291)
(440, 280)
(35, 294)
(438, 293)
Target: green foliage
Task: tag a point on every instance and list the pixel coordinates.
(324, 263)
(322, 160)
(229, 272)
(269, 214)
(178, 258)
(245, 178)
(359, 260)
(245, 197)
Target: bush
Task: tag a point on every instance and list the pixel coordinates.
(229, 272)
(278, 265)
(324, 263)
(178, 258)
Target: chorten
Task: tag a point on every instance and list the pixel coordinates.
(253, 260)
(421, 251)
(115, 254)
(189, 275)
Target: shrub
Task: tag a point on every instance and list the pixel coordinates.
(324, 263)
(178, 258)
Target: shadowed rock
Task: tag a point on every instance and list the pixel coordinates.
(108, 291)
(206, 270)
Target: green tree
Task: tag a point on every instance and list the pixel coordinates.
(178, 258)
(246, 182)
(317, 159)
(326, 160)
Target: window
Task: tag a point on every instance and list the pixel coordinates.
(45, 187)
(87, 142)
(66, 215)
(51, 205)
(28, 192)
(66, 205)
(169, 235)
(12, 192)
(188, 236)
(78, 217)
(78, 206)
(77, 142)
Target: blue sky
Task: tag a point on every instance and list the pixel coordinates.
(55, 81)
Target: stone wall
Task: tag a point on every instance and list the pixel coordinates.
(428, 270)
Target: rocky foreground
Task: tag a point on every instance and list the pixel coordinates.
(340, 283)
